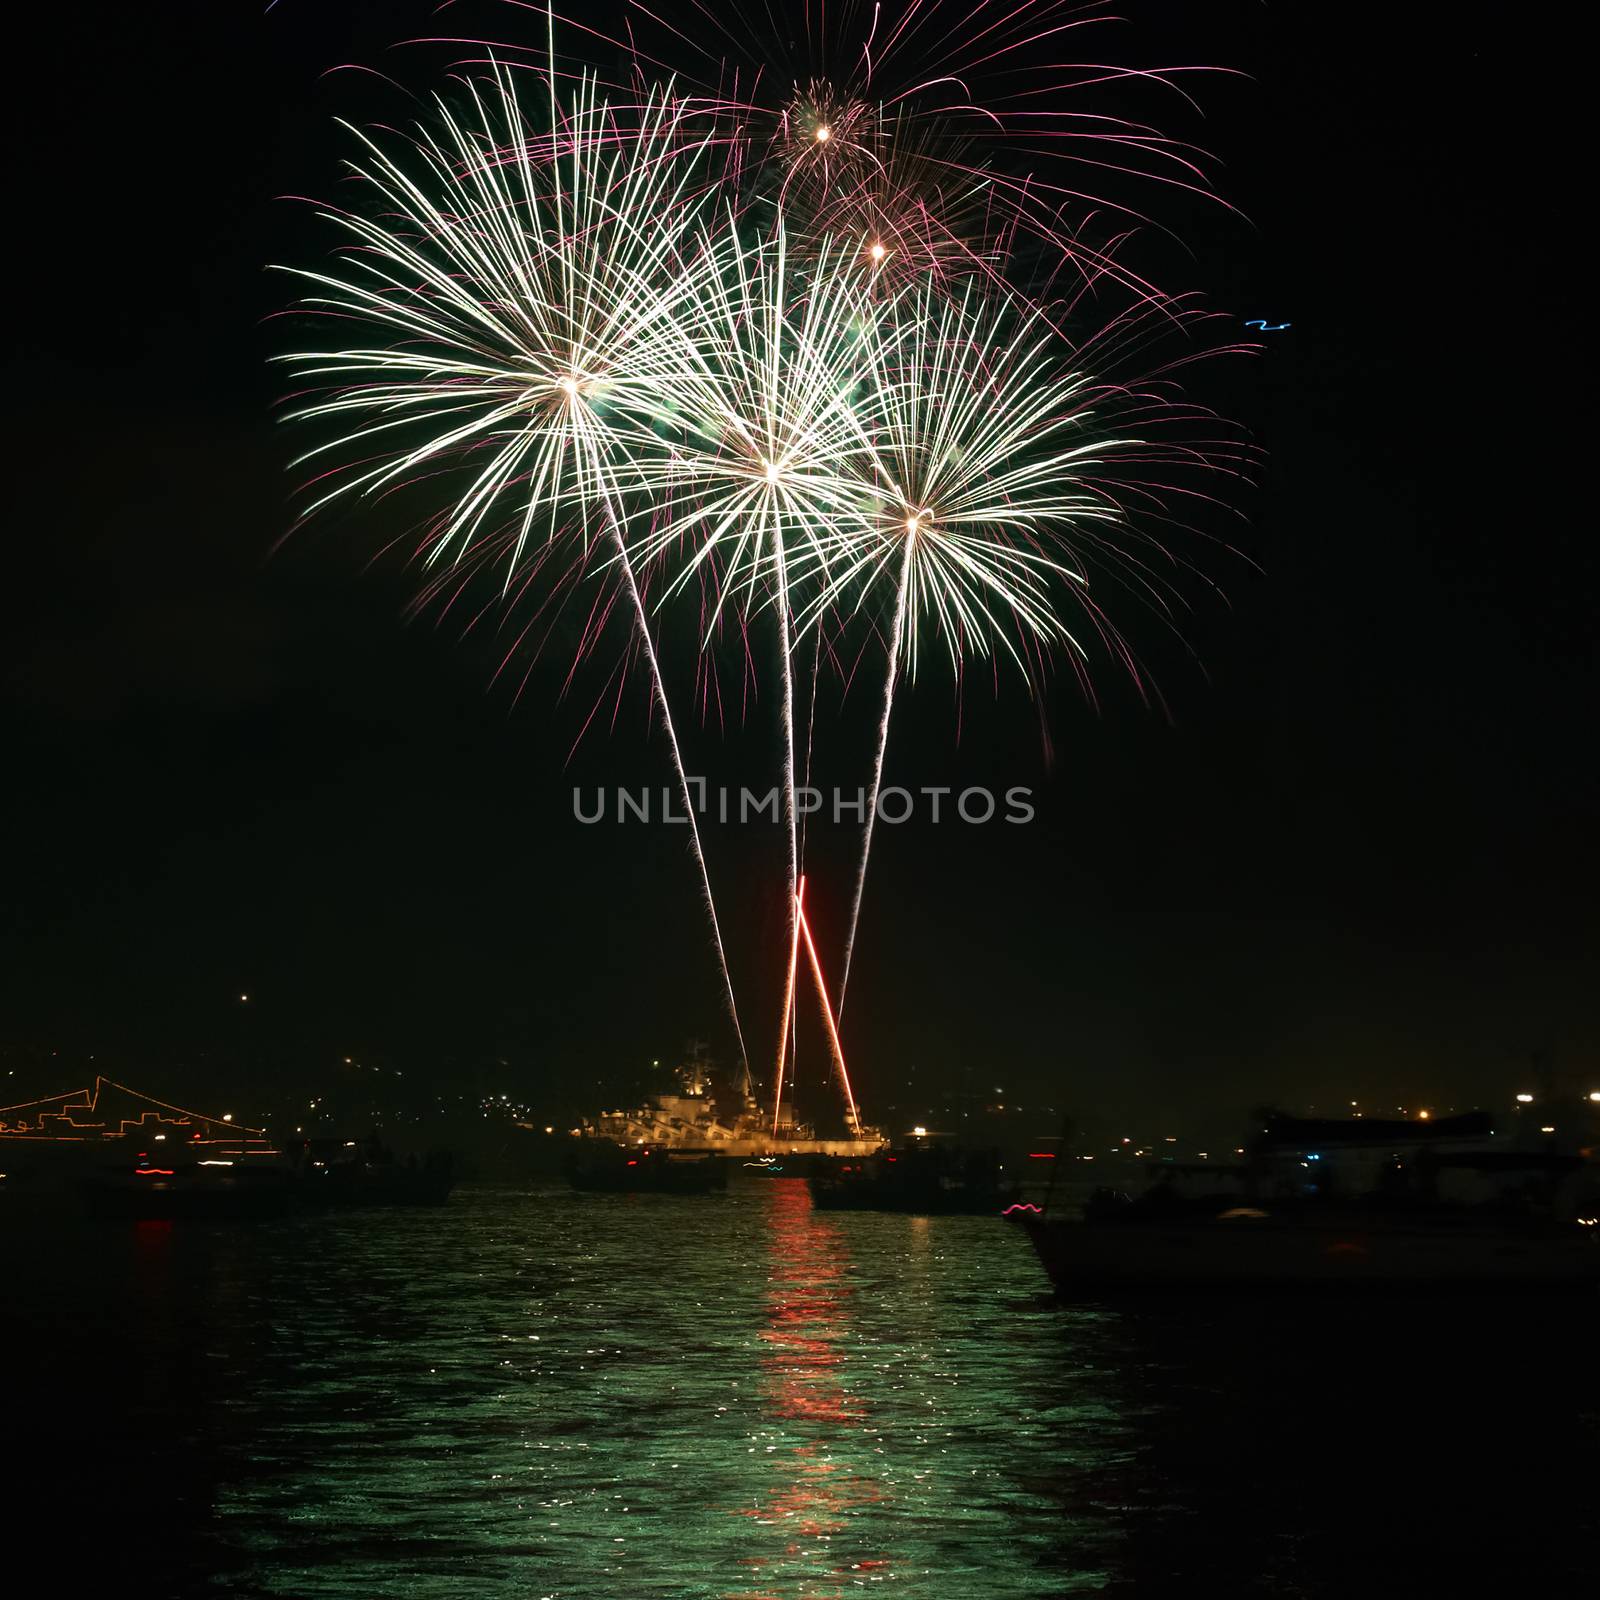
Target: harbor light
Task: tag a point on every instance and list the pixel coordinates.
(1524, 1099)
(919, 1132)
(1595, 1096)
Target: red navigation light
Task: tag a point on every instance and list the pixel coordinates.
(1041, 1155)
(153, 1172)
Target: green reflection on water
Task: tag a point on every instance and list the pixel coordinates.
(724, 1397)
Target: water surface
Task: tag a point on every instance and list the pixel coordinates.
(531, 1393)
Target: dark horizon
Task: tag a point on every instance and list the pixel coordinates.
(1356, 859)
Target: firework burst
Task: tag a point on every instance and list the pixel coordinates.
(957, 127)
(757, 341)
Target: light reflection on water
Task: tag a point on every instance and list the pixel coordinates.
(730, 1397)
(531, 1393)
(534, 1393)
(815, 1510)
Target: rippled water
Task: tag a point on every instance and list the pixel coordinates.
(533, 1393)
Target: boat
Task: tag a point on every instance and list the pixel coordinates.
(112, 1150)
(341, 1174)
(115, 1151)
(1248, 1247)
(700, 1110)
(922, 1177)
(605, 1167)
(1336, 1204)
(148, 1192)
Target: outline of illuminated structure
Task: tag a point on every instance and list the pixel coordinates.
(78, 1117)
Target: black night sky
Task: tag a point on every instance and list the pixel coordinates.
(1357, 858)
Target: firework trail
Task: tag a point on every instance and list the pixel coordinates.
(786, 667)
(767, 464)
(828, 1018)
(896, 632)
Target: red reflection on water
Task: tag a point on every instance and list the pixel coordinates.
(808, 1292)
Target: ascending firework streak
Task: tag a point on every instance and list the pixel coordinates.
(828, 1018)
(529, 284)
(802, 930)
(796, 911)
(896, 633)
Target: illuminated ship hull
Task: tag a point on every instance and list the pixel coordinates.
(1250, 1248)
(665, 1125)
(697, 1117)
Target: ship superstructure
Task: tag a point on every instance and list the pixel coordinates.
(700, 1113)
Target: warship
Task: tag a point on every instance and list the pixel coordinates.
(704, 1112)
